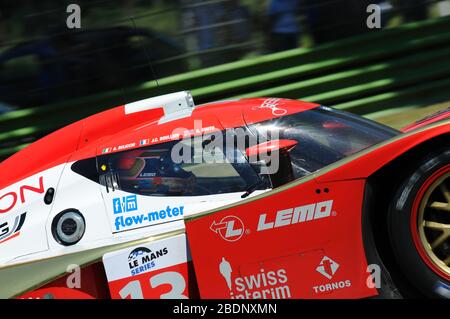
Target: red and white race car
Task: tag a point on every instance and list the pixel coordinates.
(253, 198)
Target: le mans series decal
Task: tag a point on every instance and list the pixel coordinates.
(128, 216)
(162, 269)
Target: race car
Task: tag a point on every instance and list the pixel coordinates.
(261, 198)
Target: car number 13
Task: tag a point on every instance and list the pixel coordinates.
(133, 289)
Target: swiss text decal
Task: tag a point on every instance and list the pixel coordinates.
(294, 244)
(263, 283)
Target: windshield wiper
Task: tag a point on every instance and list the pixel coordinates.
(252, 188)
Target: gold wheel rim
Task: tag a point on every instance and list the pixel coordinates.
(434, 223)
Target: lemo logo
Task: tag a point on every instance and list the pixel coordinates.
(230, 228)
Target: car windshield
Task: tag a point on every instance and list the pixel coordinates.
(324, 136)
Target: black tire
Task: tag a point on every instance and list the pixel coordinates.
(412, 265)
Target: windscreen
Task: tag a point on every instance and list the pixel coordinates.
(324, 136)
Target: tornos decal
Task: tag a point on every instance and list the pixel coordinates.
(328, 268)
(265, 284)
(10, 200)
(10, 230)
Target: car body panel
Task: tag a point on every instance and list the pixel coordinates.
(334, 239)
(436, 117)
(289, 233)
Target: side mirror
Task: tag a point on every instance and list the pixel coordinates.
(274, 160)
(269, 147)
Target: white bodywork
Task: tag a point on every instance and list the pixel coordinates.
(74, 191)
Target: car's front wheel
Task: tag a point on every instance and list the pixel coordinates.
(419, 225)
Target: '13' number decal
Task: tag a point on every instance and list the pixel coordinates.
(176, 280)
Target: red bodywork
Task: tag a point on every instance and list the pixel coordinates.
(439, 116)
(303, 240)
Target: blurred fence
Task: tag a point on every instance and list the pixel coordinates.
(123, 43)
(401, 67)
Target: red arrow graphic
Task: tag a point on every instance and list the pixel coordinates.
(215, 227)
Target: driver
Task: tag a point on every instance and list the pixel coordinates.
(154, 173)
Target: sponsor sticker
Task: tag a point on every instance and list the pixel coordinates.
(14, 199)
(229, 228)
(273, 105)
(301, 214)
(125, 204)
(264, 284)
(125, 217)
(142, 259)
(160, 269)
(328, 269)
(10, 230)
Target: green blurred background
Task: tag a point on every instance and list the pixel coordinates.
(320, 51)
